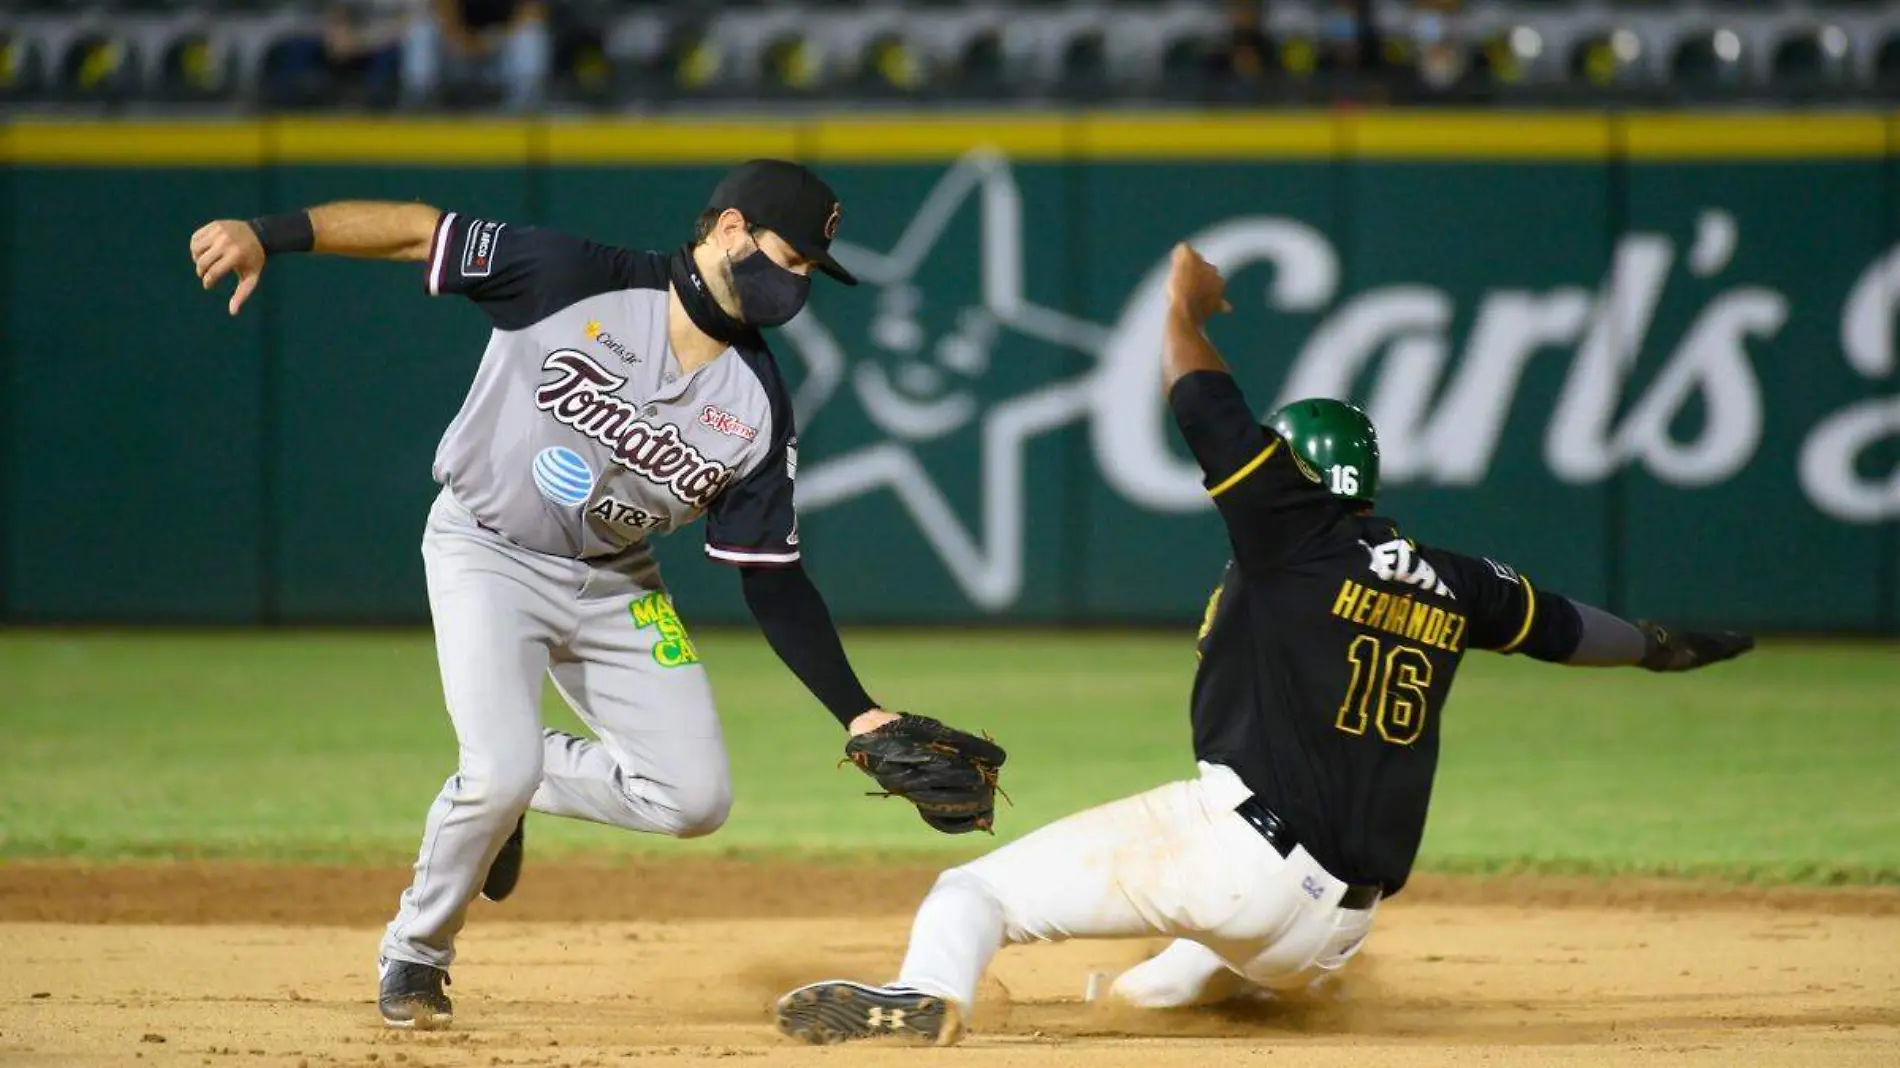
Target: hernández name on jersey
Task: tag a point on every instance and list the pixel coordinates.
(581, 396)
(1402, 614)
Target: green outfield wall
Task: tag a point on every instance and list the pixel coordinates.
(1649, 359)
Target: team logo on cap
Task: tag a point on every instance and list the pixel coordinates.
(562, 476)
(831, 221)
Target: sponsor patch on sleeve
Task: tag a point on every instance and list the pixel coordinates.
(478, 248)
(726, 423)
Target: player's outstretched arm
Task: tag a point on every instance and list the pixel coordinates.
(948, 774)
(1560, 630)
(1265, 495)
(1195, 292)
(373, 229)
(1608, 640)
(1508, 614)
(1604, 639)
(792, 615)
(1206, 401)
(360, 228)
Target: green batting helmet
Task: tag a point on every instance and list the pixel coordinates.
(1336, 441)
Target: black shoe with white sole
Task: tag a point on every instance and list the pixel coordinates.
(412, 996)
(839, 1011)
(505, 872)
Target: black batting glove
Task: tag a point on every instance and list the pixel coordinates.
(1686, 650)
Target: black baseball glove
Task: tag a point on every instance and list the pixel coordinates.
(1685, 650)
(949, 775)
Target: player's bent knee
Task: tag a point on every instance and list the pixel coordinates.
(1140, 991)
(963, 881)
(503, 785)
(703, 810)
(1184, 974)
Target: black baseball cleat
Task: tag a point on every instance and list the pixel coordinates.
(840, 1011)
(412, 996)
(505, 872)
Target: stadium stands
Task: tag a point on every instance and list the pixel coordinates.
(1886, 64)
(1812, 59)
(160, 54)
(21, 68)
(196, 68)
(98, 66)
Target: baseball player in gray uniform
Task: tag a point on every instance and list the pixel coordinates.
(622, 394)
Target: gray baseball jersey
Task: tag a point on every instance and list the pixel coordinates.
(581, 436)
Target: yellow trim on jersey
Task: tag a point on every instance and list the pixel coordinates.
(1252, 465)
(1530, 613)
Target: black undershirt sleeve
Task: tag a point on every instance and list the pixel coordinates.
(792, 615)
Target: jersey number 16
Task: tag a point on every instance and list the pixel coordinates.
(1387, 689)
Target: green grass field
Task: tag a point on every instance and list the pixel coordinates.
(329, 746)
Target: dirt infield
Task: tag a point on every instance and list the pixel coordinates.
(677, 962)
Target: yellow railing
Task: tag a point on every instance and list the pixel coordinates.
(1025, 137)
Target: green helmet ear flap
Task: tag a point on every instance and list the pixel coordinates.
(1336, 441)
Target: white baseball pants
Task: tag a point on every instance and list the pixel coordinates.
(1173, 861)
(504, 617)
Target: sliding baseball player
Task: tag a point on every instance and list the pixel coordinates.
(1326, 658)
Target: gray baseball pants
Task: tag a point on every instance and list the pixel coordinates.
(504, 616)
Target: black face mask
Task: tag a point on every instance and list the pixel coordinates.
(769, 295)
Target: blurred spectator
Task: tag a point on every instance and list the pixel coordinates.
(1441, 57)
(1244, 58)
(455, 44)
(1361, 64)
(364, 39)
(1349, 41)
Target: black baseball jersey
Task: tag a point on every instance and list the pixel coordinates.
(1329, 648)
(581, 435)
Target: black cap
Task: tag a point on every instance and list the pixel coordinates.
(790, 201)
